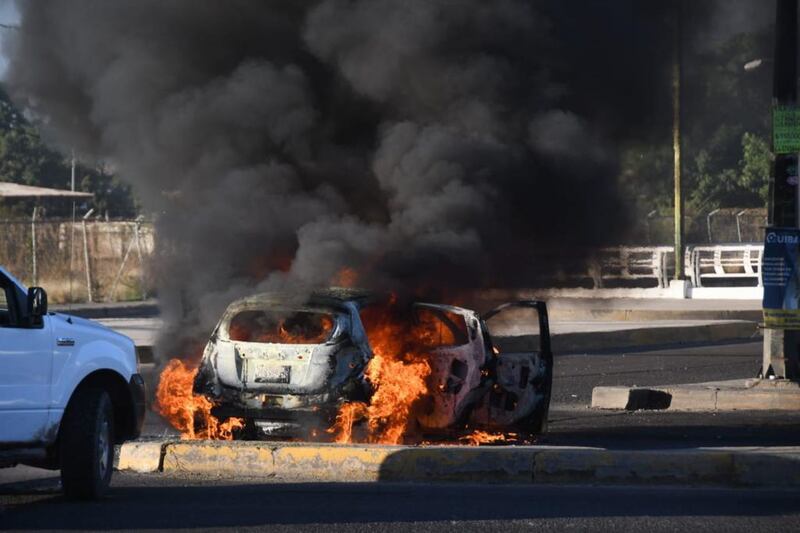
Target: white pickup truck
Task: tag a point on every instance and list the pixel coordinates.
(69, 390)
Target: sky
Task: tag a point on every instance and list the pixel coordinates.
(8, 15)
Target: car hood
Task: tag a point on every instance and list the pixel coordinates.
(80, 327)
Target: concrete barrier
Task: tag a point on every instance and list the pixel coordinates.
(746, 467)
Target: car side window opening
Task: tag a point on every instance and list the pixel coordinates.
(515, 322)
(5, 315)
(437, 328)
(9, 310)
(13, 312)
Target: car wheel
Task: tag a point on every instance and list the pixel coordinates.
(87, 445)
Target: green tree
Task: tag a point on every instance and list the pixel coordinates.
(756, 165)
(111, 195)
(646, 176)
(26, 159)
(744, 185)
(725, 124)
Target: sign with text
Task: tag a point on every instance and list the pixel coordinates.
(786, 129)
(779, 273)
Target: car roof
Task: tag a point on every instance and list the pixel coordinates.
(333, 298)
(320, 300)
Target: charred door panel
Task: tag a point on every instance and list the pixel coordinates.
(520, 394)
(455, 366)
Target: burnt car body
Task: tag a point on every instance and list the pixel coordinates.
(290, 381)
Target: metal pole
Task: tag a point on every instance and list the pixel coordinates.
(676, 141)
(139, 253)
(708, 224)
(72, 226)
(34, 273)
(89, 295)
(780, 354)
(131, 244)
(739, 224)
(650, 215)
(72, 173)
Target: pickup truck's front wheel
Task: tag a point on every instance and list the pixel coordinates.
(87, 444)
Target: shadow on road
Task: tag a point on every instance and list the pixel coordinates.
(671, 430)
(185, 504)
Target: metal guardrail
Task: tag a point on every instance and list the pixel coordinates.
(703, 262)
(726, 261)
(631, 263)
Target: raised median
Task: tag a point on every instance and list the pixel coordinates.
(740, 467)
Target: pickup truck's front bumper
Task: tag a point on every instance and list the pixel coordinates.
(136, 385)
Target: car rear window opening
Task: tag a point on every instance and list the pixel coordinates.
(281, 327)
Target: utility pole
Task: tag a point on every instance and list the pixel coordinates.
(72, 225)
(780, 359)
(676, 139)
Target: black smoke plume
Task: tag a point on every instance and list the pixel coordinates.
(434, 143)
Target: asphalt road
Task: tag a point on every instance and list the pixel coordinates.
(29, 498)
(160, 502)
(575, 375)
(572, 422)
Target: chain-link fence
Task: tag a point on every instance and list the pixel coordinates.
(81, 261)
(110, 260)
(720, 226)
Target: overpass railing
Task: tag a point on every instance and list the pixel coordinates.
(703, 263)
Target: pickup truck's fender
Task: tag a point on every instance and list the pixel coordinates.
(89, 354)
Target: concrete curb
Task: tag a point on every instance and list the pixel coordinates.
(142, 456)
(741, 467)
(736, 395)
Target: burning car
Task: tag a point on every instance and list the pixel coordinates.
(296, 368)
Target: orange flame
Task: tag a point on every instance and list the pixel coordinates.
(187, 412)
(348, 414)
(397, 371)
(478, 437)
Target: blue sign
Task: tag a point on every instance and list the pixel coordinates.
(779, 274)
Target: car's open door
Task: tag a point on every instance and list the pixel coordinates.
(522, 368)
